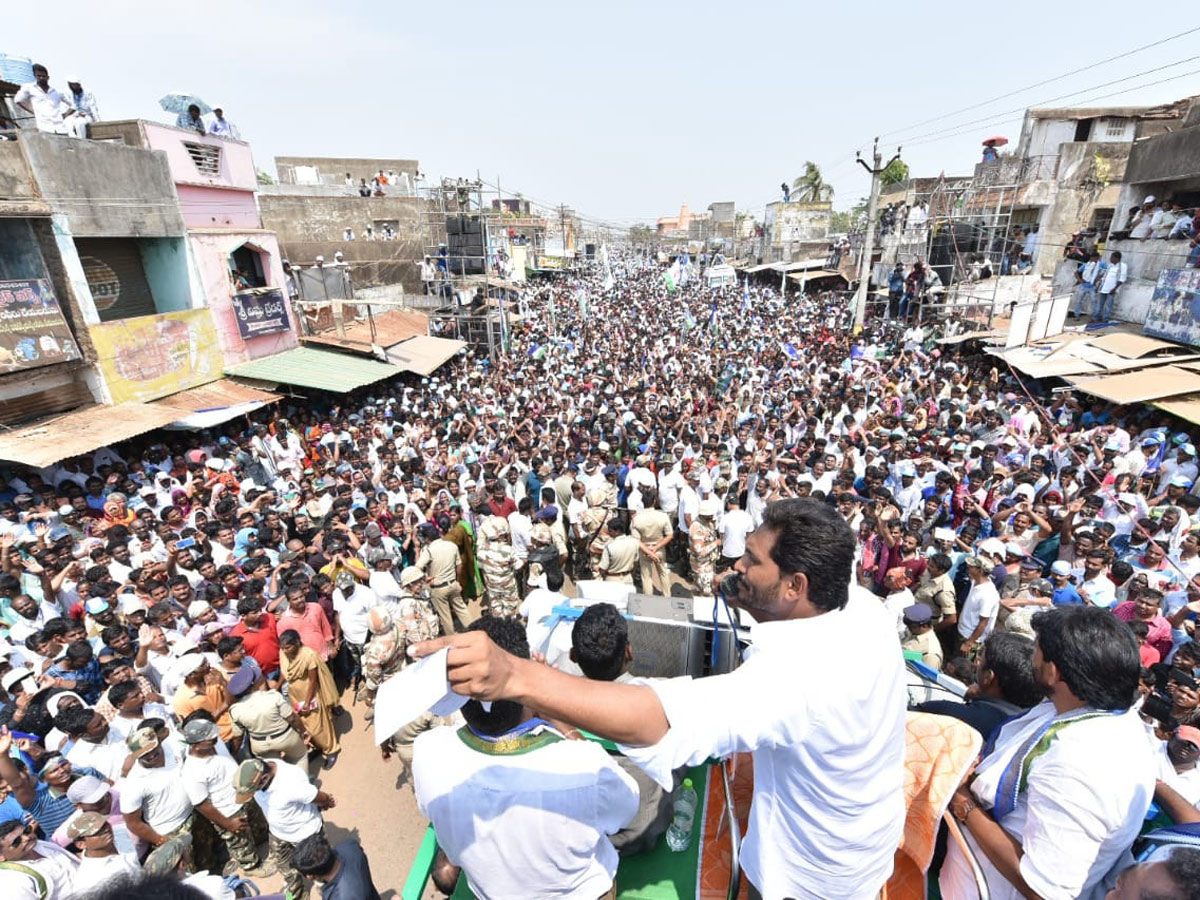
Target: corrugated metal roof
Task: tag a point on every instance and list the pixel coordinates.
(309, 367)
(81, 431)
(424, 354)
(215, 395)
(391, 327)
(1137, 387)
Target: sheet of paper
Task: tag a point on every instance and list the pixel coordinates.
(420, 687)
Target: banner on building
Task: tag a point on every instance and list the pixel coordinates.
(148, 357)
(33, 330)
(1175, 307)
(260, 312)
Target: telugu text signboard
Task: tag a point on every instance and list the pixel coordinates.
(33, 330)
(1175, 307)
(148, 357)
(260, 312)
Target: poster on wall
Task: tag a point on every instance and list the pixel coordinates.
(148, 357)
(1175, 307)
(33, 330)
(260, 312)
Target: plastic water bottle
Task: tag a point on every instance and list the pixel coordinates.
(679, 833)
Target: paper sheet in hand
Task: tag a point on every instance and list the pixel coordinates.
(418, 688)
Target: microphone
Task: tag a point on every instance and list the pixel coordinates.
(731, 586)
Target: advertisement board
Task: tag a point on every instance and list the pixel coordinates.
(1175, 307)
(33, 330)
(148, 357)
(260, 312)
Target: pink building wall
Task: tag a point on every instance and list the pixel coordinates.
(236, 169)
(210, 254)
(205, 207)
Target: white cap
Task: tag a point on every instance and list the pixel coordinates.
(12, 676)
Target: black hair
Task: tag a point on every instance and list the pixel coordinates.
(313, 855)
(554, 578)
(119, 693)
(138, 886)
(8, 827)
(1009, 657)
(598, 642)
(1096, 654)
(227, 645)
(79, 651)
(812, 539)
(75, 720)
(248, 605)
(942, 561)
(289, 637)
(505, 715)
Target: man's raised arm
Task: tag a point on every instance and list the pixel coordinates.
(625, 713)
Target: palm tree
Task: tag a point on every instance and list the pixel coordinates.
(811, 187)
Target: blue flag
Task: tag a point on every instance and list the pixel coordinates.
(791, 351)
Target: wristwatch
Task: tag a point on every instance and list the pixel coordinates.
(962, 810)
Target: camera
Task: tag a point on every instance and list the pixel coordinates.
(1158, 703)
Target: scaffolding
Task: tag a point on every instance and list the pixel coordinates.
(966, 240)
(459, 237)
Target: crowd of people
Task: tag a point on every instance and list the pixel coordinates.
(184, 613)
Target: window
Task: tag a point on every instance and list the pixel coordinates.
(247, 267)
(206, 158)
(1115, 127)
(1102, 220)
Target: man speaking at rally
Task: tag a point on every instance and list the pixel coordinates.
(819, 701)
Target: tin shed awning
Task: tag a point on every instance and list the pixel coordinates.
(312, 368)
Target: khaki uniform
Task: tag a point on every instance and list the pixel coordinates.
(651, 526)
(619, 558)
(703, 549)
(498, 566)
(927, 645)
(263, 716)
(439, 561)
(540, 537)
(938, 595)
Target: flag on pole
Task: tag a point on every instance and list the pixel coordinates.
(746, 294)
(609, 281)
(671, 276)
(712, 319)
(683, 269)
(540, 352)
(689, 322)
(789, 350)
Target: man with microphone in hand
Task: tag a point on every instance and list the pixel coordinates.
(827, 736)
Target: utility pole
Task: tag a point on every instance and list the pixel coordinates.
(864, 264)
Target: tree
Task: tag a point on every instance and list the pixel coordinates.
(811, 187)
(264, 178)
(895, 173)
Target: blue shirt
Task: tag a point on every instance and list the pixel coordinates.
(1066, 596)
(88, 680)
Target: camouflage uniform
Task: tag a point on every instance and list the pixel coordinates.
(540, 537)
(703, 549)
(498, 566)
(591, 524)
(386, 653)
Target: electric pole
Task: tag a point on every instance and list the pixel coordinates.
(868, 251)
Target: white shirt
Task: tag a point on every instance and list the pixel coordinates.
(353, 612)
(211, 778)
(828, 805)
(158, 794)
(521, 527)
(983, 602)
(733, 528)
(1071, 832)
(94, 871)
(532, 826)
(57, 866)
(106, 758)
(1114, 276)
(49, 107)
(288, 804)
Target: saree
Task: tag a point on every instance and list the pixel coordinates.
(314, 707)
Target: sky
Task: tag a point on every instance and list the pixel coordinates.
(620, 110)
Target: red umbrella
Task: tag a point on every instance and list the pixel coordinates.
(998, 141)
